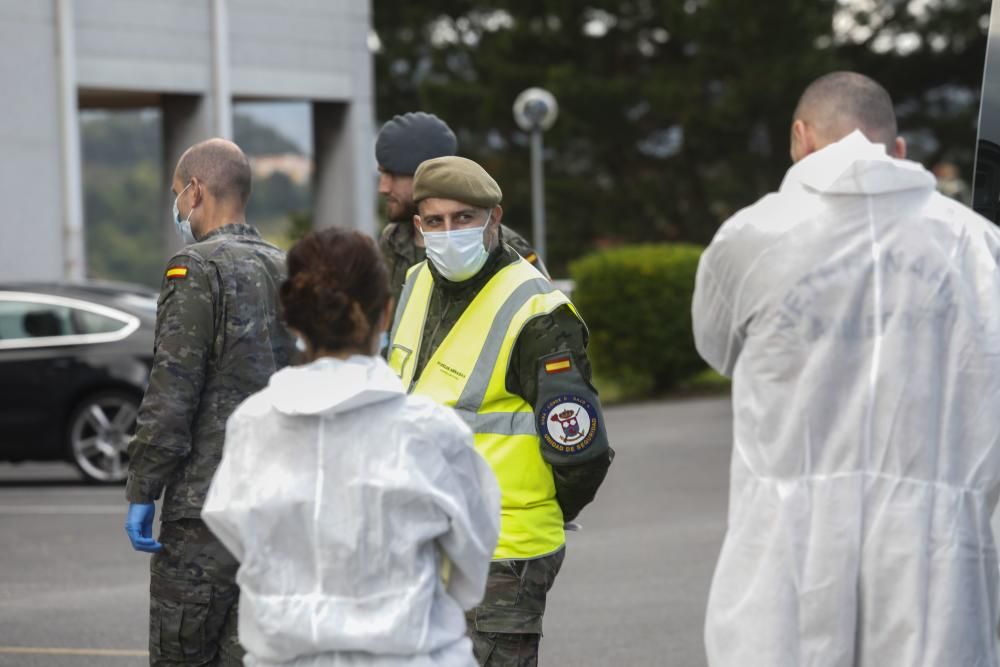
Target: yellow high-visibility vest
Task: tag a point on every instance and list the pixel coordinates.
(468, 372)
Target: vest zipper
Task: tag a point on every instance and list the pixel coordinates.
(433, 336)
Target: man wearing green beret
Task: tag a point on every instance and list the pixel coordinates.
(402, 144)
(481, 330)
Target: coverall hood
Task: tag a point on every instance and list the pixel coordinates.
(329, 385)
(855, 166)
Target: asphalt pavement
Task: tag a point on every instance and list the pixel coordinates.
(632, 590)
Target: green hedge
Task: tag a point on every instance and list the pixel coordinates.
(636, 301)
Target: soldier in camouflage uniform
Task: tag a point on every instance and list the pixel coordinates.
(506, 627)
(218, 340)
(402, 144)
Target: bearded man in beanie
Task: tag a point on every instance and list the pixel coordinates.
(402, 144)
(481, 330)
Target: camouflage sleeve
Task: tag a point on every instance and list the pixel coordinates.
(383, 240)
(550, 370)
(524, 249)
(395, 262)
(184, 336)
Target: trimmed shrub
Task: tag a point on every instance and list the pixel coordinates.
(636, 301)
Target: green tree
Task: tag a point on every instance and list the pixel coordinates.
(673, 114)
(300, 224)
(123, 214)
(932, 62)
(121, 138)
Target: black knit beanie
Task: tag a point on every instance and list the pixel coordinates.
(407, 140)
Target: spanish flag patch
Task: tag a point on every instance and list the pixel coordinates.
(177, 272)
(559, 365)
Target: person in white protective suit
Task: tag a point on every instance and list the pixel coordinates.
(363, 518)
(858, 312)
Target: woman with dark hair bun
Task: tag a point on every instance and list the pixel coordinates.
(363, 519)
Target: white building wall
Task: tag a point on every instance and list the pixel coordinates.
(310, 50)
(31, 212)
(144, 45)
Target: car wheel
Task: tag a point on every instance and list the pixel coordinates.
(100, 429)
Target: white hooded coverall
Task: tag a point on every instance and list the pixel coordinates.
(858, 313)
(348, 503)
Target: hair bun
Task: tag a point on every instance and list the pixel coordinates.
(332, 301)
(336, 289)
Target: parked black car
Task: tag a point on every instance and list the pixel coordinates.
(74, 362)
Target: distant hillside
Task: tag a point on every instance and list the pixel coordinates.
(256, 139)
(123, 181)
(125, 139)
(120, 139)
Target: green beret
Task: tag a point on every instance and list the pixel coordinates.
(456, 178)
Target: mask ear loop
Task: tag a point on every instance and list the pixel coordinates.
(190, 213)
(188, 219)
(489, 218)
(176, 200)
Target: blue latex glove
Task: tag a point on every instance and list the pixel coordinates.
(139, 527)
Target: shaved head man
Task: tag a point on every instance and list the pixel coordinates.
(835, 105)
(212, 182)
(219, 337)
(857, 311)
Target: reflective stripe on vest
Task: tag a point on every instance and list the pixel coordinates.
(468, 373)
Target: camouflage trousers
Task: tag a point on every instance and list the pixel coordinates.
(192, 599)
(506, 629)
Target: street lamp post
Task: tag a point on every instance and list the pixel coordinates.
(535, 111)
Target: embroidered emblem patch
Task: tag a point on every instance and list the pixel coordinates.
(560, 365)
(177, 272)
(568, 424)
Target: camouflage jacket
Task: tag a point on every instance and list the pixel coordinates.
(559, 334)
(218, 340)
(401, 252)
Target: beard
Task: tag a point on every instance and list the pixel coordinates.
(398, 211)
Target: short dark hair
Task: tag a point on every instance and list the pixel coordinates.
(222, 166)
(336, 289)
(841, 102)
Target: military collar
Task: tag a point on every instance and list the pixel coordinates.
(232, 229)
(401, 236)
(499, 258)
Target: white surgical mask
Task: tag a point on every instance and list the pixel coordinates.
(183, 226)
(459, 254)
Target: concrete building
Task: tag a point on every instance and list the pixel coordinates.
(191, 59)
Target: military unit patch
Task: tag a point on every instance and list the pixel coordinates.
(568, 424)
(177, 272)
(559, 365)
